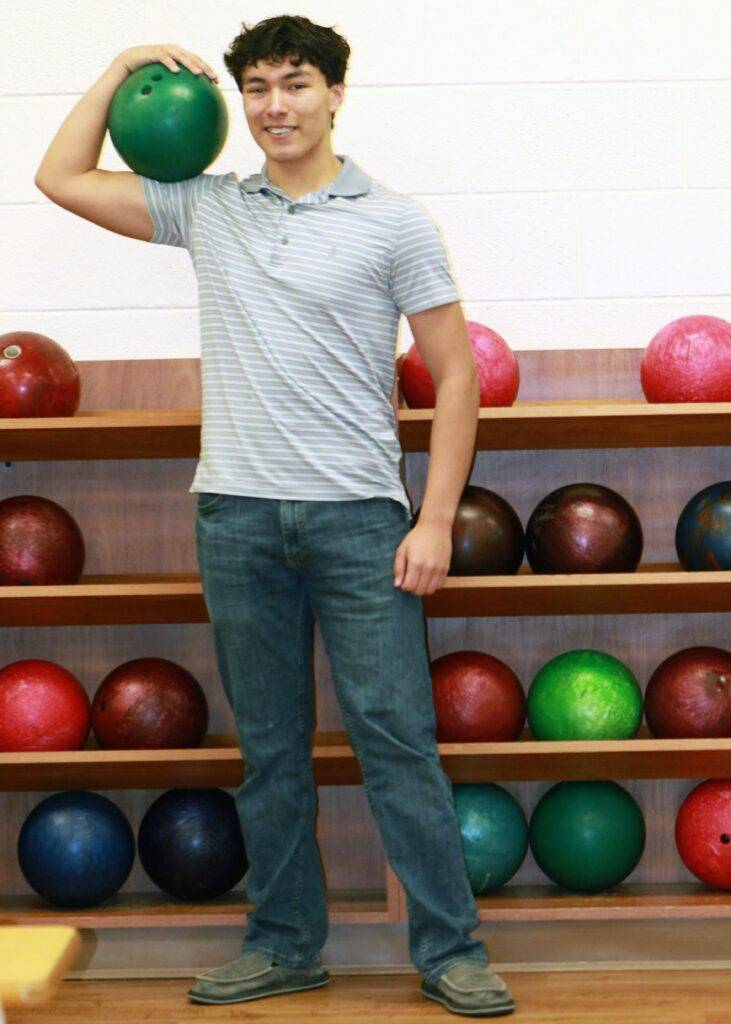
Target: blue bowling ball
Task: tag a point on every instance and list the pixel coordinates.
(190, 843)
(703, 533)
(494, 833)
(76, 848)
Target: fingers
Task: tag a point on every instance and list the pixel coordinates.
(192, 61)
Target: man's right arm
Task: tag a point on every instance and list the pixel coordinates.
(68, 174)
(70, 178)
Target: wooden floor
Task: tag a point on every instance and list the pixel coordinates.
(585, 997)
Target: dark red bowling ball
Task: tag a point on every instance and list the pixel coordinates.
(42, 707)
(583, 528)
(495, 364)
(37, 376)
(40, 543)
(477, 698)
(487, 535)
(703, 832)
(689, 694)
(689, 360)
(149, 704)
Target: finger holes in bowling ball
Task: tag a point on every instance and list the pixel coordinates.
(157, 77)
(725, 838)
(12, 352)
(146, 90)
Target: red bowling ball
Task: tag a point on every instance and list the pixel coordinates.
(689, 694)
(149, 704)
(42, 707)
(37, 377)
(497, 371)
(703, 832)
(477, 698)
(689, 360)
(40, 543)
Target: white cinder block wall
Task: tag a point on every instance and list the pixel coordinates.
(576, 155)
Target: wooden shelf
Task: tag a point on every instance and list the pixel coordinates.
(178, 597)
(624, 902)
(511, 903)
(157, 910)
(175, 433)
(219, 763)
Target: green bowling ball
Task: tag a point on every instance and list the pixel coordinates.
(587, 836)
(494, 833)
(168, 125)
(584, 695)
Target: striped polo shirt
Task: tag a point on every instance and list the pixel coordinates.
(299, 305)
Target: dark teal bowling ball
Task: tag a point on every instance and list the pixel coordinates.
(587, 836)
(168, 125)
(703, 533)
(494, 833)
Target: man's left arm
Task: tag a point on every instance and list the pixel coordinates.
(441, 338)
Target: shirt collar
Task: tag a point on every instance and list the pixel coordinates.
(351, 181)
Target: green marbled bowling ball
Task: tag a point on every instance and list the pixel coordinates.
(584, 695)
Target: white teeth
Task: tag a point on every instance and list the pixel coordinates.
(280, 131)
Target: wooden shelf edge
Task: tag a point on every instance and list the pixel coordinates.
(538, 903)
(178, 597)
(526, 425)
(156, 910)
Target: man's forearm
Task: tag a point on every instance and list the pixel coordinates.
(77, 144)
(451, 448)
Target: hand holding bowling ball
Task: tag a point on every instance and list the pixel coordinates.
(37, 377)
(167, 124)
(40, 543)
(497, 371)
(689, 360)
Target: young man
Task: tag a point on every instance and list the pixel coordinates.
(303, 272)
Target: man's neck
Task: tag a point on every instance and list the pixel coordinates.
(299, 181)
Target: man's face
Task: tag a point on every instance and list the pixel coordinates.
(294, 97)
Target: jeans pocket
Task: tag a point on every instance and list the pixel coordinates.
(207, 501)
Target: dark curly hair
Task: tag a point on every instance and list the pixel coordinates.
(289, 36)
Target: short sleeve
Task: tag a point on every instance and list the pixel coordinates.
(172, 204)
(420, 276)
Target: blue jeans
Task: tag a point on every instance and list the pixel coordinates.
(269, 567)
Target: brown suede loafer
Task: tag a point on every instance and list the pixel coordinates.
(470, 989)
(253, 976)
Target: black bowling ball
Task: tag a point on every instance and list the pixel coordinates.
(190, 843)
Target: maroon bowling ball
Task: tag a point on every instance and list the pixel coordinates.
(477, 698)
(583, 528)
(149, 704)
(40, 543)
(689, 694)
(487, 535)
(37, 377)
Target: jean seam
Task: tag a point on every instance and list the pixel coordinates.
(434, 975)
(302, 676)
